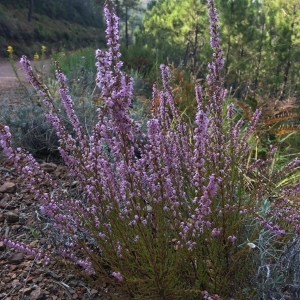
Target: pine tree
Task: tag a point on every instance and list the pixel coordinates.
(178, 29)
(283, 26)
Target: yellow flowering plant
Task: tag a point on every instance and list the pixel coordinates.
(10, 50)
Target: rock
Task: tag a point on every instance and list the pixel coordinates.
(48, 167)
(15, 282)
(38, 294)
(26, 291)
(13, 268)
(6, 205)
(94, 292)
(15, 227)
(6, 280)
(2, 246)
(11, 217)
(16, 258)
(1, 217)
(33, 243)
(28, 198)
(8, 187)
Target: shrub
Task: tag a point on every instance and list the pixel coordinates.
(175, 222)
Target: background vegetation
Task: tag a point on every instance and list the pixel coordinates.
(260, 40)
(55, 24)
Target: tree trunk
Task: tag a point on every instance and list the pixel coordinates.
(259, 57)
(30, 12)
(126, 26)
(288, 63)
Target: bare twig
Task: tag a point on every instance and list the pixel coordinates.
(26, 279)
(9, 293)
(65, 286)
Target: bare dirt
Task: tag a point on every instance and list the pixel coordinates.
(14, 88)
(24, 277)
(7, 76)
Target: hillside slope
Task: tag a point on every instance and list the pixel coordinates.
(28, 37)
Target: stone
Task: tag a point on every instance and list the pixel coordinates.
(2, 246)
(15, 227)
(11, 217)
(26, 291)
(13, 268)
(15, 282)
(6, 203)
(94, 292)
(33, 243)
(16, 258)
(8, 187)
(28, 198)
(37, 294)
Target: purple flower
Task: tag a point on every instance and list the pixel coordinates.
(216, 232)
(232, 238)
(117, 275)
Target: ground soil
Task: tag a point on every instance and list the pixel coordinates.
(7, 75)
(14, 88)
(22, 276)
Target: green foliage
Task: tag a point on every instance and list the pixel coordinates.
(259, 38)
(79, 66)
(34, 231)
(31, 130)
(177, 29)
(260, 41)
(140, 58)
(84, 12)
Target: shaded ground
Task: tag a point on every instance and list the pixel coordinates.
(22, 277)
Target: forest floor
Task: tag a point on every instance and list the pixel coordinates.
(23, 277)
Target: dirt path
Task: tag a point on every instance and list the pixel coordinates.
(8, 79)
(12, 89)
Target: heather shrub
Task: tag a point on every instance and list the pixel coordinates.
(170, 213)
